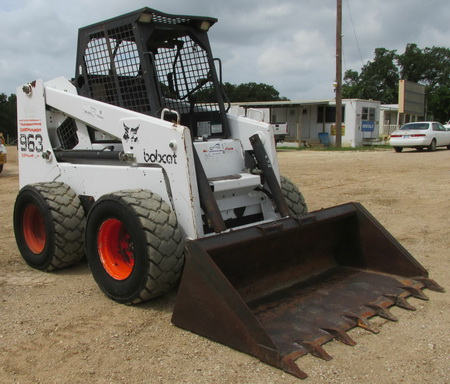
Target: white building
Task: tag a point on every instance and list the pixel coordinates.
(311, 121)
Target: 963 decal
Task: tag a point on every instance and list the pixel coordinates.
(31, 142)
(30, 138)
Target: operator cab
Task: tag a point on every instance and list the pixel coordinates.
(156, 64)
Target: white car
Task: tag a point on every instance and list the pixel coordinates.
(420, 135)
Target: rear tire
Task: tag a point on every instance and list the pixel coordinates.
(293, 196)
(398, 149)
(432, 146)
(134, 246)
(49, 224)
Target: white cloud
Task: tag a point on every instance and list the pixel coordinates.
(301, 53)
(289, 44)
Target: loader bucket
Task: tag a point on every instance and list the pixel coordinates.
(280, 290)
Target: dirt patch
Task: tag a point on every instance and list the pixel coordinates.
(59, 327)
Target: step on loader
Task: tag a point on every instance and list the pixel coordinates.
(138, 165)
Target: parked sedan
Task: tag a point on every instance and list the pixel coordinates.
(420, 135)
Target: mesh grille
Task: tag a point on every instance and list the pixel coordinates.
(185, 69)
(67, 134)
(175, 61)
(114, 69)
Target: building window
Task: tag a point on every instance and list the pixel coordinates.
(327, 114)
(368, 114)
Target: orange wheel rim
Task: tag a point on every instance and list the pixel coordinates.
(33, 226)
(116, 249)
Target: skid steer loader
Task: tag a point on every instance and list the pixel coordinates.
(138, 165)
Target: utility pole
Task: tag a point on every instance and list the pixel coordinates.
(339, 75)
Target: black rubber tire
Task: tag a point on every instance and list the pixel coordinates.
(155, 245)
(55, 210)
(1, 168)
(398, 149)
(432, 146)
(293, 196)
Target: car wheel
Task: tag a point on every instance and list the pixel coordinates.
(398, 149)
(134, 246)
(432, 146)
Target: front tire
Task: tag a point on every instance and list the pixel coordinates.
(49, 224)
(134, 246)
(293, 196)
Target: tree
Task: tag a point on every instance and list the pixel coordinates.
(243, 92)
(8, 115)
(254, 92)
(413, 64)
(430, 67)
(379, 78)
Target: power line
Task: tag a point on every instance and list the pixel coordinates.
(354, 32)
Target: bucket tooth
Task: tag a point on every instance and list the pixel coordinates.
(315, 349)
(340, 335)
(361, 322)
(401, 302)
(382, 312)
(415, 292)
(288, 365)
(429, 283)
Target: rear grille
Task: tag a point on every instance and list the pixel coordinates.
(67, 134)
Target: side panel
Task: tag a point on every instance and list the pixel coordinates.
(98, 180)
(33, 138)
(158, 153)
(242, 128)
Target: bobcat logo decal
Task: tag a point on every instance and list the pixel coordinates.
(130, 135)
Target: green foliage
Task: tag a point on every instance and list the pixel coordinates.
(412, 64)
(252, 92)
(8, 116)
(243, 92)
(379, 78)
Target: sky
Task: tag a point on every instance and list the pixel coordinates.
(289, 44)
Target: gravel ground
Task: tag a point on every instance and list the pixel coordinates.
(59, 328)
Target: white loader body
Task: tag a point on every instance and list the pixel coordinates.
(152, 154)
